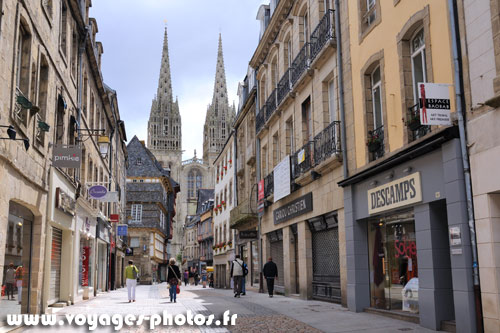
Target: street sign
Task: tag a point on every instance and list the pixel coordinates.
(434, 102)
(122, 230)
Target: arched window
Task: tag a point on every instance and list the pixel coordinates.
(191, 184)
(418, 66)
(195, 182)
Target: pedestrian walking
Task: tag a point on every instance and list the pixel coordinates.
(131, 274)
(244, 281)
(204, 278)
(173, 278)
(211, 280)
(270, 272)
(237, 273)
(19, 282)
(186, 277)
(10, 280)
(196, 278)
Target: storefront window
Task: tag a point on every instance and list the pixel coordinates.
(393, 263)
(85, 269)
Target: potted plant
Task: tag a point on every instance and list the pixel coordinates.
(223, 203)
(374, 142)
(413, 122)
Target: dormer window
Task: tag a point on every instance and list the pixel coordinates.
(138, 161)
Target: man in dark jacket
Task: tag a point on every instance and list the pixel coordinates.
(270, 272)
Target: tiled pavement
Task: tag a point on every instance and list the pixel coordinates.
(256, 312)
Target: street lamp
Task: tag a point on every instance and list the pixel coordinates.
(103, 143)
(11, 132)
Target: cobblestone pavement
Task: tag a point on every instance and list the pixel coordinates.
(256, 312)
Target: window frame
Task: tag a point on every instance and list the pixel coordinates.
(420, 51)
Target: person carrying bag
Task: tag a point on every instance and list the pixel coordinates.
(173, 280)
(131, 275)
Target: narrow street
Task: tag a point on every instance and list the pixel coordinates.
(256, 312)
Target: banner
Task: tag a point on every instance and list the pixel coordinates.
(85, 266)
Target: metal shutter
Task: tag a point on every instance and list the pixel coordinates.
(277, 255)
(55, 265)
(326, 265)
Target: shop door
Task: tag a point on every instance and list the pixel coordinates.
(326, 263)
(55, 265)
(277, 255)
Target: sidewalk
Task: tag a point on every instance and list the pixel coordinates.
(257, 312)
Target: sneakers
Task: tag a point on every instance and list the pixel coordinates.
(235, 295)
(238, 295)
(243, 294)
(175, 301)
(271, 296)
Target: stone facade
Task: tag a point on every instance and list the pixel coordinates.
(481, 65)
(49, 58)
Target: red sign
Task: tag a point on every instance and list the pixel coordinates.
(261, 190)
(85, 266)
(114, 218)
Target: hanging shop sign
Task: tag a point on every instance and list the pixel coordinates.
(65, 202)
(98, 192)
(434, 100)
(114, 218)
(66, 156)
(122, 229)
(281, 174)
(401, 192)
(295, 208)
(248, 234)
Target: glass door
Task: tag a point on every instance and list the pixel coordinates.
(393, 262)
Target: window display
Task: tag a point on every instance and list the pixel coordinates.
(393, 263)
(85, 269)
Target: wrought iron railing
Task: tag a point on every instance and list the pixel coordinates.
(284, 86)
(300, 63)
(269, 184)
(376, 142)
(260, 119)
(323, 33)
(303, 160)
(413, 123)
(327, 143)
(271, 104)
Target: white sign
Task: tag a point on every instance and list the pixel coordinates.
(434, 102)
(455, 236)
(281, 175)
(398, 193)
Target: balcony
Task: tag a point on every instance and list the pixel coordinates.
(260, 119)
(269, 185)
(242, 214)
(300, 64)
(284, 86)
(271, 105)
(413, 123)
(327, 143)
(375, 143)
(324, 32)
(303, 160)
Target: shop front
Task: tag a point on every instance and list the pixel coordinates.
(249, 251)
(407, 237)
(102, 255)
(59, 241)
(84, 253)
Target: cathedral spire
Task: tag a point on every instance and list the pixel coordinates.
(164, 94)
(220, 89)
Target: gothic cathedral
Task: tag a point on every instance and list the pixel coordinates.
(165, 140)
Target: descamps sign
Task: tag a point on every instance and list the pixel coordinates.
(398, 193)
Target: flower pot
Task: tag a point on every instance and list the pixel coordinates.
(414, 125)
(374, 146)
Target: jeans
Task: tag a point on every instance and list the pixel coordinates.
(10, 290)
(173, 292)
(243, 289)
(185, 282)
(237, 284)
(131, 283)
(270, 285)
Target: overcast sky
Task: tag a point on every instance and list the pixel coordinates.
(132, 35)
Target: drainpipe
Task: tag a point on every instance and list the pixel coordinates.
(465, 156)
(340, 83)
(81, 50)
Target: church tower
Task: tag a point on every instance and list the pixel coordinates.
(220, 115)
(164, 125)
